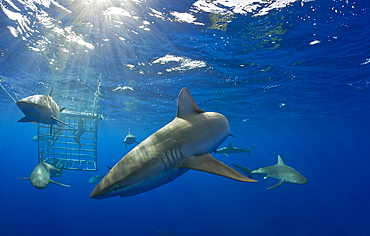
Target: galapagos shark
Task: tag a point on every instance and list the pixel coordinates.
(40, 176)
(40, 109)
(184, 143)
(280, 171)
(230, 149)
(129, 139)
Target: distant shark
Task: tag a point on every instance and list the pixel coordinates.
(129, 139)
(280, 171)
(230, 149)
(185, 143)
(40, 176)
(40, 109)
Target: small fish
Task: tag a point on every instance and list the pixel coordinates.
(95, 178)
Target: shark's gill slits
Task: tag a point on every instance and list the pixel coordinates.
(172, 158)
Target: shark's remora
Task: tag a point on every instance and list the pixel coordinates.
(183, 144)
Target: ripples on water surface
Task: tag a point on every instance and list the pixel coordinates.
(276, 69)
(250, 60)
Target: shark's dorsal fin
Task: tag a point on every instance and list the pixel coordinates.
(129, 131)
(51, 91)
(186, 104)
(280, 161)
(23, 178)
(278, 184)
(230, 145)
(64, 185)
(209, 164)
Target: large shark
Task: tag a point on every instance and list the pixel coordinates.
(280, 171)
(129, 139)
(40, 109)
(230, 149)
(185, 143)
(40, 176)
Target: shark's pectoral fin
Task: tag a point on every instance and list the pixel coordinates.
(226, 154)
(27, 119)
(278, 184)
(209, 164)
(52, 181)
(62, 109)
(64, 123)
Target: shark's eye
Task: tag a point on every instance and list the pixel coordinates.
(116, 187)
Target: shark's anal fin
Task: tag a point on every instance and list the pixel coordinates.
(278, 184)
(209, 164)
(64, 185)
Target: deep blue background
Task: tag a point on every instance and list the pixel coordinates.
(307, 103)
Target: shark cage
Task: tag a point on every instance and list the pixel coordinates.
(69, 148)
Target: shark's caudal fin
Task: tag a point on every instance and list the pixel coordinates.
(64, 185)
(209, 164)
(247, 171)
(250, 149)
(186, 104)
(278, 184)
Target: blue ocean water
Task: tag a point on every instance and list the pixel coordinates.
(291, 76)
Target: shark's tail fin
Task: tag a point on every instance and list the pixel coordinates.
(247, 171)
(250, 149)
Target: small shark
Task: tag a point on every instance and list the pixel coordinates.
(184, 143)
(40, 176)
(40, 109)
(280, 171)
(80, 131)
(95, 178)
(230, 149)
(129, 139)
